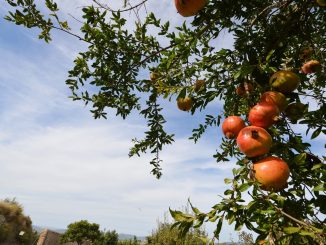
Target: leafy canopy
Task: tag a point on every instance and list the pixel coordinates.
(81, 231)
(268, 36)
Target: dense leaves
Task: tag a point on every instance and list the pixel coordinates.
(15, 226)
(166, 234)
(268, 36)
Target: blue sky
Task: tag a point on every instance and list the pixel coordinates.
(63, 165)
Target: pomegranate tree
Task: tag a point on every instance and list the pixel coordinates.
(272, 45)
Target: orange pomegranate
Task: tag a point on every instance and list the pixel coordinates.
(188, 8)
(275, 98)
(185, 104)
(254, 141)
(284, 81)
(232, 126)
(272, 172)
(263, 115)
(310, 66)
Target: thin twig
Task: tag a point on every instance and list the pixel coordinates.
(123, 10)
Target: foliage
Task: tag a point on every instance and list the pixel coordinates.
(81, 231)
(268, 35)
(245, 238)
(107, 238)
(14, 225)
(167, 234)
(133, 241)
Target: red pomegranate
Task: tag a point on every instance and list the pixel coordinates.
(263, 115)
(272, 172)
(254, 141)
(310, 66)
(275, 98)
(232, 126)
(244, 89)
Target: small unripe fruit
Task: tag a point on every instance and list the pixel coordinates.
(185, 104)
(244, 89)
(199, 85)
(153, 76)
(306, 53)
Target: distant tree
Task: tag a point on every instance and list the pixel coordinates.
(81, 231)
(15, 226)
(109, 238)
(246, 238)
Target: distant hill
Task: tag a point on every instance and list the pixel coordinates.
(123, 236)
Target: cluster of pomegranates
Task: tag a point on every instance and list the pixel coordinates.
(254, 141)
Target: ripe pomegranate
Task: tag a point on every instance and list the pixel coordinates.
(310, 66)
(232, 126)
(199, 84)
(275, 98)
(263, 115)
(188, 8)
(272, 172)
(244, 89)
(185, 104)
(284, 81)
(254, 141)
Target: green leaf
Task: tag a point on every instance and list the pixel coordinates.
(244, 187)
(316, 133)
(300, 159)
(218, 228)
(291, 230)
(270, 54)
(307, 233)
(317, 166)
(179, 216)
(227, 181)
(320, 187)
